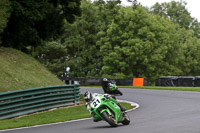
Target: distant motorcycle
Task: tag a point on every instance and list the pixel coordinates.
(104, 109)
(113, 89)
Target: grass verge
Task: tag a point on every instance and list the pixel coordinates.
(164, 88)
(53, 116)
(158, 88)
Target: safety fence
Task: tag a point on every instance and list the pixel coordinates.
(98, 81)
(21, 102)
(184, 81)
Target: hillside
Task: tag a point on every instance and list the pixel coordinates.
(20, 71)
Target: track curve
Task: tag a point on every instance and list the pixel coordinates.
(159, 112)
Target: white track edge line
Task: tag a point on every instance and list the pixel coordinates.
(132, 103)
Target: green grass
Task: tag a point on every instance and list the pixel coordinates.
(20, 71)
(58, 115)
(158, 88)
(126, 105)
(164, 88)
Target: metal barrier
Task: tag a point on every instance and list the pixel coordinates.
(21, 102)
(97, 81)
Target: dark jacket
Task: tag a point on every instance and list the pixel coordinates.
(105, 86)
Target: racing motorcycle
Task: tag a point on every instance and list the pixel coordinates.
(113, 89)
(102, 108)
(112, 86)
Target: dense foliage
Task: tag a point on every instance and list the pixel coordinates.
(177, 12)
(32, 21)
(4, 15)
(108, 40)
(124, 42)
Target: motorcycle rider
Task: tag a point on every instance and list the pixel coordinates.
(107, 86)
(89, 97)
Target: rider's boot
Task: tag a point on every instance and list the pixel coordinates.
(122, 108)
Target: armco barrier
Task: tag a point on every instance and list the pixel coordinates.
(21, 102)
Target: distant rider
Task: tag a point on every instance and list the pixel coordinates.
(107, 86)
(89, 97)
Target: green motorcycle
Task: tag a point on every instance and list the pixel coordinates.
(103, 108)
(113, 87)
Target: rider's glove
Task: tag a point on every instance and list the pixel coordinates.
(106, 96)
(111, 85)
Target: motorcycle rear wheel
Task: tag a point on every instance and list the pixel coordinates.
(109, 119)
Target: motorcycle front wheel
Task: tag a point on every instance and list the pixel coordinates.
(109, 119)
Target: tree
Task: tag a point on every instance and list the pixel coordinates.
(4, 15)
(177, 12)
(142, 45)
(80, 37)
(80, 40)
(54, 56)
(190, 65)
(134, 3)
(119, 42)
(33, 21)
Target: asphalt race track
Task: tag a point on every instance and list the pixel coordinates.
(159, 112)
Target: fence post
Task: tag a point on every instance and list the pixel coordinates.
(75, 93)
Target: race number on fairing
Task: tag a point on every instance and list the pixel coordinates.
(96, 103)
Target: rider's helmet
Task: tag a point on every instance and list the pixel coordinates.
(88, 96)
(105, 79)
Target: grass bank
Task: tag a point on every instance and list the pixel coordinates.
(57, 115)
(20, 71)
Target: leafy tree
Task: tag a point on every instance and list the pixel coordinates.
(4, 15)
(119, 42)
(80, 37)
(191, 49)
(79, 40)
(178, 13)
(33, 21)
(134, 3)
(142, 45)
(53, 55)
